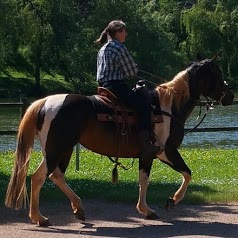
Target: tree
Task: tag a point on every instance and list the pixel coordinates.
(56, 36)
(202, 32)
(36, 35)
(9, 33)
(211, 27)
(227, 22)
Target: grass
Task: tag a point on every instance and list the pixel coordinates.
(215, 178)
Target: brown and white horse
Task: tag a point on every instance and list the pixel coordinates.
(61, 121)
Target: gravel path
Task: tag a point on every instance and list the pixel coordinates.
(122, 220)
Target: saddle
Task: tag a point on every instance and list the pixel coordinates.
(110, 108)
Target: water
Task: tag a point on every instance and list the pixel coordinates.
(9, 120)
(218, 117)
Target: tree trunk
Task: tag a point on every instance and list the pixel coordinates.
(38, 65)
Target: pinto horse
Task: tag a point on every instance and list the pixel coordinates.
(61, 121)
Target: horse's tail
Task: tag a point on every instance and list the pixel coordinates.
(16, 194)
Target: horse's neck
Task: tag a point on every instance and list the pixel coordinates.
(185, 110)
(188, 108)
(194, 92)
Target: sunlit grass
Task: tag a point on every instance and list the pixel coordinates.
(214, 171)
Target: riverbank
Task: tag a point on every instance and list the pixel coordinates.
(15, 87)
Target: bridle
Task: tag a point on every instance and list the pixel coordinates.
(208, 105)
(209, 102)
(223, 92)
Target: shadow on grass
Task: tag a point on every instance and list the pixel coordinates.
(126, 192)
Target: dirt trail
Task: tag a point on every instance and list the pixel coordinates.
(122, 220)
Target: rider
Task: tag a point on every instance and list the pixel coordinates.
(114, 65)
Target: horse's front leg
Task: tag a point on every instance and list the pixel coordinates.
(180, 193)
(175, 161)
(144, 173)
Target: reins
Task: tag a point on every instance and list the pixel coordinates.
(156, 76)
(208, 105)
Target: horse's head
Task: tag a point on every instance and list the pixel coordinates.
(211, 83)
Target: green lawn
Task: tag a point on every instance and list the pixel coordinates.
(215, 178)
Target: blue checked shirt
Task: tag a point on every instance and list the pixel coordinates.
(114, 62)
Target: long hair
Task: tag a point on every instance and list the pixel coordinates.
(110, 31)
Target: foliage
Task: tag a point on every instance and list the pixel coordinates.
(211, 28)
(56, 36)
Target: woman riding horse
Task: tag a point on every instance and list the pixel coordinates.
(114, 63)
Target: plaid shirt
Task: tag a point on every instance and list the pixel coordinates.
(114, 62)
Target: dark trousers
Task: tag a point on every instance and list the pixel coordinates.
(133, 100)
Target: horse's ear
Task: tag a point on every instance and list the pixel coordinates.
(199, 57)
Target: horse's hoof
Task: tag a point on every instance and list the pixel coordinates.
(152, 216)
(80, 215)
(44, 223)
(169, 204)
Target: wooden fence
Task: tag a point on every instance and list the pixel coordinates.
(23, 104)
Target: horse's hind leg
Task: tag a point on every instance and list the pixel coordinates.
(58, 178)
(37, 181)
(57, 170)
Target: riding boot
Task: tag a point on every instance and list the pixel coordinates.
(148, 150)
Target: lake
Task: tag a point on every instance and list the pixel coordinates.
(218, 117)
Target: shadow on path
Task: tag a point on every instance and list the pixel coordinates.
(122, 220)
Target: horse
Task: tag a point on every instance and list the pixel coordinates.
(61, 121)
